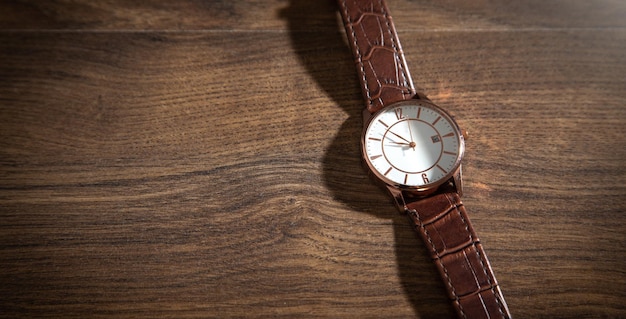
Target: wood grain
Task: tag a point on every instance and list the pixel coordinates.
(200, 159)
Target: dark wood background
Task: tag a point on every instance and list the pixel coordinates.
(200, 159)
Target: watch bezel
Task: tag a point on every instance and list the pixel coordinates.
(421, 189)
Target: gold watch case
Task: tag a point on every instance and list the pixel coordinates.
(451, 177)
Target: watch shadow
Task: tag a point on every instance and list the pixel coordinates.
(317, 37)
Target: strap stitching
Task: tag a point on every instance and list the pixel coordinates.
(475, 242)
(441, 263)
(445, 270)
(358, 53)
(394, 46)
(478, 255)
(402, 83)
(493, 286)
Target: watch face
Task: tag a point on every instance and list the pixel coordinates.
(413, 144)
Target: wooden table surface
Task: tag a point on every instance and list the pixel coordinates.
(201, 159)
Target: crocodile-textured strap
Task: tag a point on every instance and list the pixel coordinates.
(443, 224)
(382, 69)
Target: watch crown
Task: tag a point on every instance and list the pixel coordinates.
(464, 133)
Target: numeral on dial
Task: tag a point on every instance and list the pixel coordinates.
(425, 178)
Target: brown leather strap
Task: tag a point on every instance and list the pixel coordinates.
(442, 222)
(380, 61)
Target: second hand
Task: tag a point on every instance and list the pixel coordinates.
(411, 143)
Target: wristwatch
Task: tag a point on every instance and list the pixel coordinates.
(414, 149)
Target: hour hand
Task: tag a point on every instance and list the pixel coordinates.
(401, 143)
(402, 138)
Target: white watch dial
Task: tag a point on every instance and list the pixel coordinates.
(413, 144)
